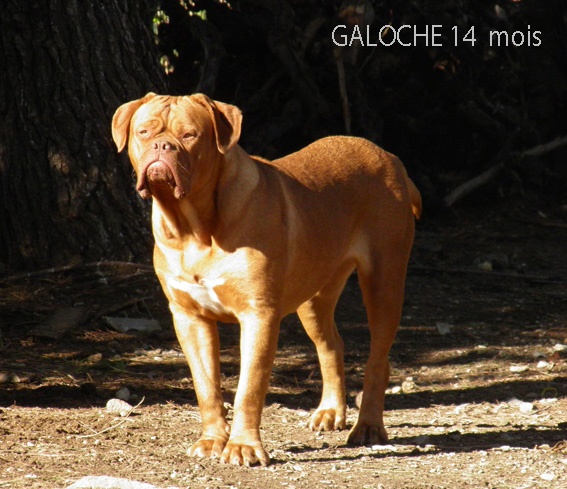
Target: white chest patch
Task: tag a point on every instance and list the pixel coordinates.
(203, 293)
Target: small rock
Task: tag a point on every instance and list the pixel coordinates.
(444, 328)
(548, 476)
(499, 261)
(383, 448)
(396, 389)
(421, 440)
(542, 364)
(123, 394)
(95, 358)
(409, 385)
(518, 368)
(455, 435)
(118, 406)
(461, 408)
(559, 347)
(524, 407)
(12, 378)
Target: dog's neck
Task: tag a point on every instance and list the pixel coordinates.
(199, 214)
(178, 220)
(238, 180)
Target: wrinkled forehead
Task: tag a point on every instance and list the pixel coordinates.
(172, 112)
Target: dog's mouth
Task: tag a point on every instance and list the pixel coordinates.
(158, 175)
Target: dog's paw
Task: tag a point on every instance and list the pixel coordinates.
(327, 420)
(367, 434)
(247, 454)
(207, 446)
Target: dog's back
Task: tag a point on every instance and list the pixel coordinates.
(353, 164)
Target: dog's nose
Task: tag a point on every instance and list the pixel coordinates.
(163, 145)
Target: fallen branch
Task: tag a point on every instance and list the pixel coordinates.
(118, 307)
(75, 266)
(545, 224)
(540, 279)
(545, 148)
(471, 185)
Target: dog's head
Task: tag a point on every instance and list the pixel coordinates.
(173, 142)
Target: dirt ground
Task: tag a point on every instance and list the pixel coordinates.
(478, 393)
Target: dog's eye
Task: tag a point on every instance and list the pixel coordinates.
(143, 133)
(188, 136)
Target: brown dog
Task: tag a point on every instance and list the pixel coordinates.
(241, 239)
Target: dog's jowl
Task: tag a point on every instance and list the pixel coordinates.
(242, 239)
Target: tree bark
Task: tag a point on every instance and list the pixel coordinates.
(65, 66)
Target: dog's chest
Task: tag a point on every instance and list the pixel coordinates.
(202, 276)
(202, 292)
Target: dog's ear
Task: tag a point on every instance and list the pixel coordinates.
(122, 117)
(227, 121)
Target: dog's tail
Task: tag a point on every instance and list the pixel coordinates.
(415, 198)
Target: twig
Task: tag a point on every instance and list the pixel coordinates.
(382, 37)
(503, 158)
(471, 185)
(75, 266)
(531, 278)
(545, 224)
(119, 307)
(97, 433)
(545, 148)
(560, 446)
(485, 177)
(344, 93)
(309, 34)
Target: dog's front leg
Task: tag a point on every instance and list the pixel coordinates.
(258, 344)
(199, 340)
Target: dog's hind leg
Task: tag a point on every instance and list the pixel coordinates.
(382, 284)
(317, 317)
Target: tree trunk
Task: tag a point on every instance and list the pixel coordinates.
(65, 65)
